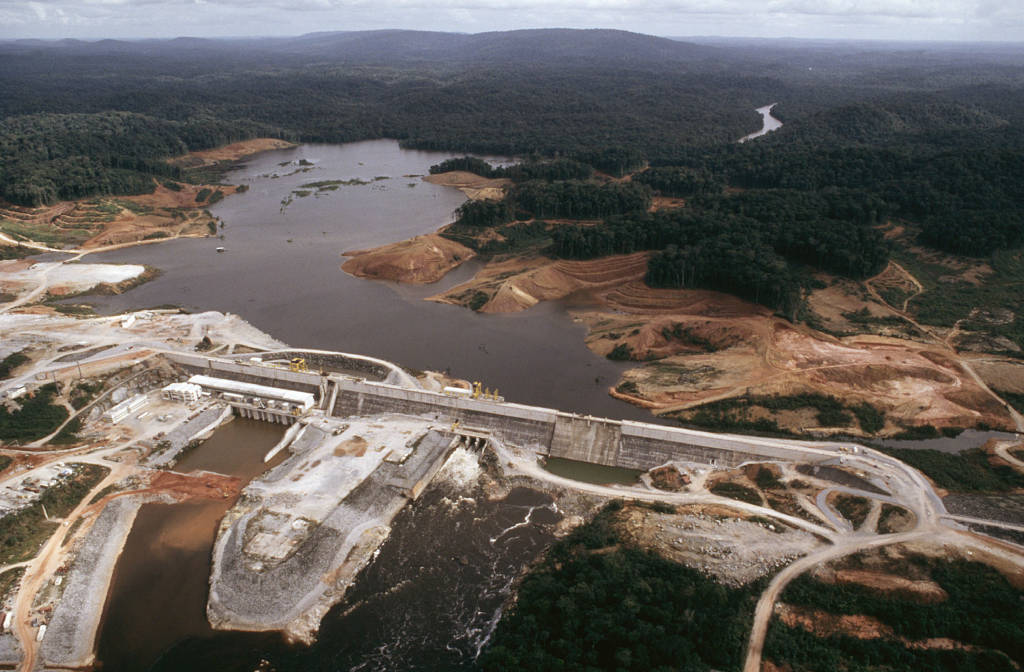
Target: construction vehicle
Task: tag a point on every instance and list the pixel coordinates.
(298, 365)
(477, 390)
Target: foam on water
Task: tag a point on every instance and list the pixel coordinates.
(462, 468)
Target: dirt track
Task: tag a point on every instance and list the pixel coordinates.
(701, 346)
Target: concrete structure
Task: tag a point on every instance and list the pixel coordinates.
(342, 363)
(187, 393)
(121, 411)
(299, 535)
(633, 445)
(17, 392)
(261, 402)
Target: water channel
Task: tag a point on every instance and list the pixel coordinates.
(420, 605)
(428, 602)
(158, 593)
(430, 599)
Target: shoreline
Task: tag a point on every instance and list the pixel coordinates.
(70, 639)
(667, 334)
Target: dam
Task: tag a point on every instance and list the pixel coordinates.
(365, 439)
(384, 388)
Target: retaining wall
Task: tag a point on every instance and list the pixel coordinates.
(633, 445)
(243, 371)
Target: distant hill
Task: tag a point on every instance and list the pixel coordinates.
(516, 46)
(549, 46)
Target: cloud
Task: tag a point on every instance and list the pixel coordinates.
(889, 19)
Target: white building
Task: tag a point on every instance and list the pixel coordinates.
(262, 396)
(121, 411)
(183, 392)
(16, 392)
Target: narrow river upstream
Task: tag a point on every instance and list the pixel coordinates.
(769, 123)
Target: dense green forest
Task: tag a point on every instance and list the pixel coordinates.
(598, 603)
(982, 610)
(931, 137)
(50, 157)
(530, 169)
(36, 418)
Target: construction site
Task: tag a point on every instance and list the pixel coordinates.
(361, 440)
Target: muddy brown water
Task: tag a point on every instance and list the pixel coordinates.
(281, 271)
(429, 602)
(419, 605)
(158, 593)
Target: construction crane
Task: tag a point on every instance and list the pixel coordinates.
(477, 390)
(298, 364)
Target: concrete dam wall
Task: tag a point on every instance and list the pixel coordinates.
(613, 443)
(337, 362)
(633, 445)
(243, 371)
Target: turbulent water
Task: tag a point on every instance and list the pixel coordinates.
(429, 601)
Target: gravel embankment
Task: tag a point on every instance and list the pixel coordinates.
(72, 630)
(10, 650)
(180, 436)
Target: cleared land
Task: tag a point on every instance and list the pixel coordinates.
(862, 344)
(421, 260)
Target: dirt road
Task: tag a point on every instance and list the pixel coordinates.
(42, 568)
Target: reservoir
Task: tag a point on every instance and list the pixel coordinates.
(418, 605)
(281, 272)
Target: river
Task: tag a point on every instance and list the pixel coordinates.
(158, 593)
(428, 602)
(768, 123)
(430, 599)
(281, 272)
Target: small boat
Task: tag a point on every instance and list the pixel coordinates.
(220, 249)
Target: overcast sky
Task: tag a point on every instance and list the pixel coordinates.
(966, 20)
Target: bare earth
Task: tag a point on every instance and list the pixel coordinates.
(699, 346)
(232, 152)
(472, 185)
(96, 222)
(422, 260)
(99, 222)
(516, 284)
